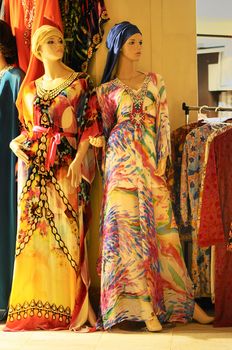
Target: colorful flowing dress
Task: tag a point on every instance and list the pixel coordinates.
(191, 178)
(142, 266)
(50, 282)
(9, 86)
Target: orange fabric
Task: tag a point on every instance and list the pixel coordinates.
(45, 12)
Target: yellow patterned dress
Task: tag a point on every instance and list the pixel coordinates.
(50, 282)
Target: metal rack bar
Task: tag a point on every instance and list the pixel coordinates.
(187, 109)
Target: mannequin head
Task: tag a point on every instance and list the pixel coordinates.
(117, 37)
(8, 49)
(132, 48)
(48, 43)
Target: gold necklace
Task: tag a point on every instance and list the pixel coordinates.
(49, 79)
(52, 93)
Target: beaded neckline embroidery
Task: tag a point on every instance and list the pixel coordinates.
(137, 97)
(47, 95)
(135, 94)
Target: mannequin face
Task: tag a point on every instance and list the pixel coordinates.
(132, 48)
(52, 49)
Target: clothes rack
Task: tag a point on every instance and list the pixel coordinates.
(187, 109)
(215, 35)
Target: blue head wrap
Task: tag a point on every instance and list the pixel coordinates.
(116, 38)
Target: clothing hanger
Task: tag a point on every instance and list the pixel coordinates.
(218, 120)
(216, 111)
(201, 115)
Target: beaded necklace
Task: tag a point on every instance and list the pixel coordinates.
(47, 95)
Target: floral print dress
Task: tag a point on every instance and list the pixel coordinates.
(50, 282)
(141, 264)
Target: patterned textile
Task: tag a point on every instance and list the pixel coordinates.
(178, 137)
(83, 22)
(191, 177)
(215, 221)
(9, 87)
(210, 227)
(50, 283)
(142, 267)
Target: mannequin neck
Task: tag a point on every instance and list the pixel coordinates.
(55, 74)
(127, 73)
(126, 68)
(55, 70)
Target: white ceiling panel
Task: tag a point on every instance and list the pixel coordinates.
(214, 9)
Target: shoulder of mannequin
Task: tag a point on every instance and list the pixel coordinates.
(104, 86)
(157, 76)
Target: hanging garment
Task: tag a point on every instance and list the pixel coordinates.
(24, 17)
(178, 138)
(215, 221)
(83, 22)
(191, 177)
(142, 267)
(50, 282)
(9, 87)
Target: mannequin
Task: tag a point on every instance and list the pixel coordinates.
(10, 81)
(143, 275)
(50, 283)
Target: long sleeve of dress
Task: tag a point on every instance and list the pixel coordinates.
(184, 188)
(163, 144)
(88, 113)
(108, 107)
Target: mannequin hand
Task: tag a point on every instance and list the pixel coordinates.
(17, 148)
(74, 172)
(98, 141)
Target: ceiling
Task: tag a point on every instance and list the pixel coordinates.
(214, 10)
(214, 17)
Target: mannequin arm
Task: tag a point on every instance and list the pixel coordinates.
(17, 148)
(74, 170)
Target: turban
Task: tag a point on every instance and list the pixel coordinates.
(41, 35)
(116, 38)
